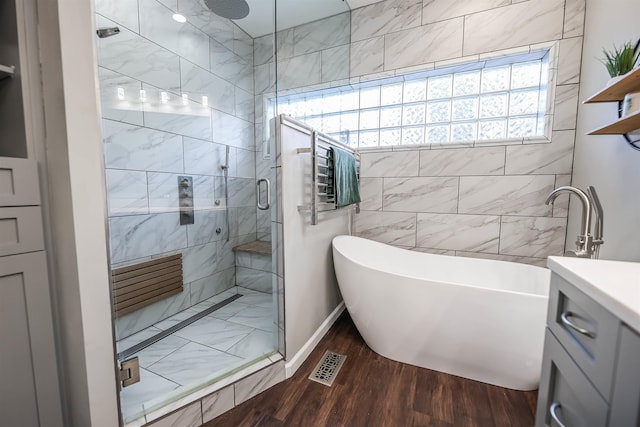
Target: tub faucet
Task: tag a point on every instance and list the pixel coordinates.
(587, 245)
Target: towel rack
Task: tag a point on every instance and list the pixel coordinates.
(322, 192)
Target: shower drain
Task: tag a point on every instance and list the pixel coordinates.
(328, 367)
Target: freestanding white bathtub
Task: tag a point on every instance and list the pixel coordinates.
(474, 318)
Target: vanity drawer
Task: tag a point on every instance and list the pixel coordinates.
(586, 330)
(21, 230)
(566, 397)
(19, 182)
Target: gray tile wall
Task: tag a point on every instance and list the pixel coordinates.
(309, 54)
(148, 143)
(317, 52)
(253, 271)
(485, 202)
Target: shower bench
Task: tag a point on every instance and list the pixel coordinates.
(253, 265)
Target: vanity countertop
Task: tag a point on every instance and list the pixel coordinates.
(613, 284)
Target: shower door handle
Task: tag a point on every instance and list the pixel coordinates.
(266, 205)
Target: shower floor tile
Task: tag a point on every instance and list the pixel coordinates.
(160, 350)
(136, 338)
(136, 395)
(176, 318)
(214, 333)
(256, 298)
(257, 343)
(255, 317)
(203, 305)
(223, 341)
(229, 310)
(195, 362)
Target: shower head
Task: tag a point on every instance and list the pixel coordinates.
(230, 9)
(107, 32)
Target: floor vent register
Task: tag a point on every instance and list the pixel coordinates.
(328, 367)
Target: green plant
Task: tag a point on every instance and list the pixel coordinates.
(620, 61)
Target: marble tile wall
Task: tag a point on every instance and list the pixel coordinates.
(253, 271)
(395, 34)
(461, 185)
(150, 140)
(485, 201)
(489, 202)
(308, 54)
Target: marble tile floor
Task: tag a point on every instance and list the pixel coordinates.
(227, 340)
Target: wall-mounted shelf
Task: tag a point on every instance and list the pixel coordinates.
(620, 126)
(7, 71)
(617, 91)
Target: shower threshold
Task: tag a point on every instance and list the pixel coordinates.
(125, 354)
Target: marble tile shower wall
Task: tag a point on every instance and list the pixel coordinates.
(309, 55)
(148, 143)
(312, 54)
(486, 201)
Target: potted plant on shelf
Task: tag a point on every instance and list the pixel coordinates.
(619, 61)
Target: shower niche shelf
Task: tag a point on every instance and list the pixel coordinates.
(616, 93)
(7, 71)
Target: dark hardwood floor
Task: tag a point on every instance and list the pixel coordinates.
(371, 390)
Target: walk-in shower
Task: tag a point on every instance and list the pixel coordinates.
(193, 301)
(186, 107)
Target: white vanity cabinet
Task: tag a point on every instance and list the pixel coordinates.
(591, 363)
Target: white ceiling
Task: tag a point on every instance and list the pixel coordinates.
(292, 13)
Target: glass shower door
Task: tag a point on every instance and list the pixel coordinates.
(195, 297)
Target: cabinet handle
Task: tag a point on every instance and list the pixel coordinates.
(565, 319)
(553, 410)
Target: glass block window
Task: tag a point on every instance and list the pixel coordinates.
(492, 100)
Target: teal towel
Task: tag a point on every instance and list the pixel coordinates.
(344, 177)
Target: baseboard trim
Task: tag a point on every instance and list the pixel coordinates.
(292, 365)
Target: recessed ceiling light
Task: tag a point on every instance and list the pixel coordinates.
(180, 18)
